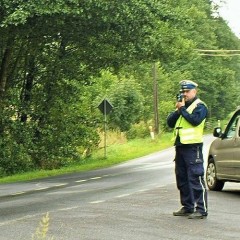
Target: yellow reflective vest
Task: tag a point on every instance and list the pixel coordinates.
(188, 133)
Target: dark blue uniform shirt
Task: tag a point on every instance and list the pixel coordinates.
(195, 118)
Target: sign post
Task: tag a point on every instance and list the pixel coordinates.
(105, 107)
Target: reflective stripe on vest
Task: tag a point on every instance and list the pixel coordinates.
(187, 132)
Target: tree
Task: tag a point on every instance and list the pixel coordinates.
(127, 100)
(46, 50)
(52, 54)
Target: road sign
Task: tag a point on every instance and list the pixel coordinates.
(105, 106)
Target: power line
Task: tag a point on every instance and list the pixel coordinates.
(219, 55)
(218, 52)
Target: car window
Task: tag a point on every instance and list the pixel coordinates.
(238, 127)
(234, 129)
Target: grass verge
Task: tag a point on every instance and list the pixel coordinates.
(116, 154)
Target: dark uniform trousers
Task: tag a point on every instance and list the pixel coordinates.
(190, 177)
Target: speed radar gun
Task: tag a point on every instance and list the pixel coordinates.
(180, 96)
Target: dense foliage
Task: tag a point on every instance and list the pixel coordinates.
(60, 58)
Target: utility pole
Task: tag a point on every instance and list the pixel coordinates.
(155, 99)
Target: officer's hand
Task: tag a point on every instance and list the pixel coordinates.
(180, 104)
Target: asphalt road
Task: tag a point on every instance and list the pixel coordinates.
(132, 201)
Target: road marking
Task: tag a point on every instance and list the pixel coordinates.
(43, 188)
(38, 189)
(68, 191)
(18, 193)
(83, 180)
(99, 201)
(63, 184)
(19, 219)
(142, 190)
(123, 195)
(150, 166)
(94, 178)
(66, 209)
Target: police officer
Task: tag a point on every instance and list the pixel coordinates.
(188, 123)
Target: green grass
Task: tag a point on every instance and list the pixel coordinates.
(115, 154)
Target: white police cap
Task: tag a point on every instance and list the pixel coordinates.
(188, 84)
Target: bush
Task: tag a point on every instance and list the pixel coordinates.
(13, 157)
(140, 130)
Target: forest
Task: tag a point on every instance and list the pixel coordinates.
(60, 58)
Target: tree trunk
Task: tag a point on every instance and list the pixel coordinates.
(4, 69)
(26, 96)
(3, 79)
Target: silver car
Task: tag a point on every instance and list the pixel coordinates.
(224, 155)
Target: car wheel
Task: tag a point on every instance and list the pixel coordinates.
(211, 178)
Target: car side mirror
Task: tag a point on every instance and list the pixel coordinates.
(217, 132)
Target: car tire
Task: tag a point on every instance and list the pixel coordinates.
(211, 177)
